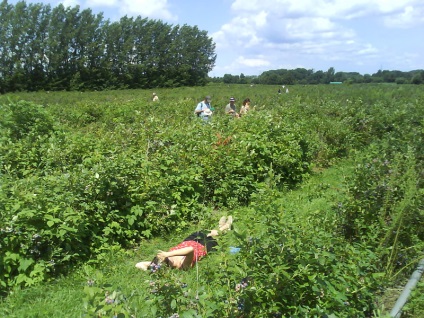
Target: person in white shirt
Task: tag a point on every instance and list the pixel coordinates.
(204, 109)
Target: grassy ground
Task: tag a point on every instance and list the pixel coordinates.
(64, 297)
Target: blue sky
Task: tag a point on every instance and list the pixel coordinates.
(253, 36)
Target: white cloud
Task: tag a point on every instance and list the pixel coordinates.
(311, 31)
(393, 6)
(101, 3)
(241, 64)
(409, 17)
(252, 62)
(70, 3)
(367, 49)
(260, 19)
(327, 8)
(153, 9)
(241, 34)
(308, 28)
(314, 34)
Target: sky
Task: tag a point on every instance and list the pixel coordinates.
(254, 36)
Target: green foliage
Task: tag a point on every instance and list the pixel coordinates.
(304, 76)
(297, 274)
(25, 118)
(384, 207)
(415, 306)
(285, 267)
(105, 302)
(89, 172)
(87, 186)
(63, 48)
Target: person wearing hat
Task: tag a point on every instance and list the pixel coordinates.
(204, 109)
(230, 109)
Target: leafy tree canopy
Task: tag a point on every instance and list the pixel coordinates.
(64, 48)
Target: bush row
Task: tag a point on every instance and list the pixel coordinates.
(80, 178)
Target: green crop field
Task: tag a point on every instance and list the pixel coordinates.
(325, 184)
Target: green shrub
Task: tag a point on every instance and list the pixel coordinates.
(94, 170)
(383, 207)
(25, 118)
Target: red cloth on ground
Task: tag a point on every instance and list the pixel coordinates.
(199, 249)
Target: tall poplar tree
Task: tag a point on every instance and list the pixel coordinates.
(6, 65)
(67, 49)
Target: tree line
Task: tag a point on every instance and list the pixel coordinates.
(304, 76)
(45, 48)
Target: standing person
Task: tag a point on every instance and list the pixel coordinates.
(155, 97)
(189, 251)
(246, 107)
(204, 109)
(230, 109)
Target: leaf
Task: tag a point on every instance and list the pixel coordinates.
(24, 263)
(131, 220)
(378, 275)
(146, 233)
(23, 278)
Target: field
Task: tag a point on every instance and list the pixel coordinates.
(325, 184)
